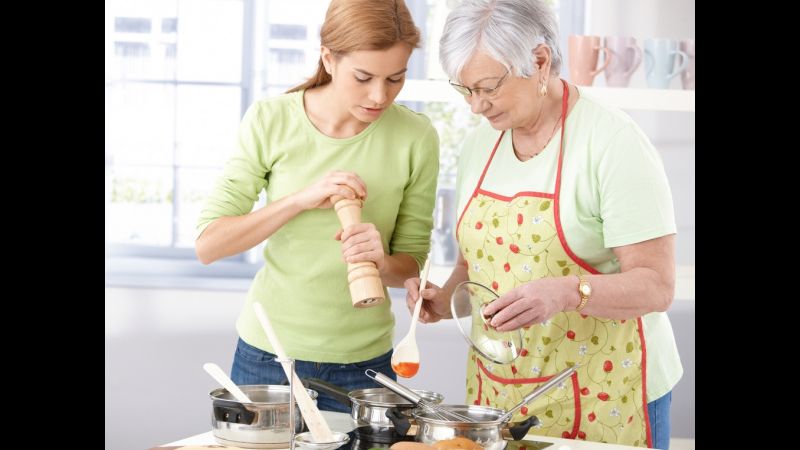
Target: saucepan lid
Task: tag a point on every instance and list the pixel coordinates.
(467, 304)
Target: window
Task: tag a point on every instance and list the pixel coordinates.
(283, 31)
(169, 25)
(174, 98)
(131, 49)
(286, 56)
(131, 25)
(173, 102)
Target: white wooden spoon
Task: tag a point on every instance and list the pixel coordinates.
(405, 358)
(227, 383)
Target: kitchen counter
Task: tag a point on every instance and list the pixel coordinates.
(342, 422)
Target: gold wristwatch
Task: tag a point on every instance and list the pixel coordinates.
(584, 290)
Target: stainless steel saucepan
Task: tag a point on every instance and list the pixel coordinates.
(482, 424)
(263, 423)
(369, 406)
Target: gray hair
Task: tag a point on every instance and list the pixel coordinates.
(506, 30)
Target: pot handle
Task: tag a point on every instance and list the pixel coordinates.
(519, 430)
(339, 394)
(232, 412)
(550, 384)
(399, 420)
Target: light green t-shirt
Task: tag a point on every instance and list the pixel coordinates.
(614, 192)
(303, 284)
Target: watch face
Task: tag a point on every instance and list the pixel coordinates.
(586, 289)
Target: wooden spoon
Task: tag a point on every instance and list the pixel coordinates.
(405, 358)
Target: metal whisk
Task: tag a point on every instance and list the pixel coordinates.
(446, 414)
(434, 409)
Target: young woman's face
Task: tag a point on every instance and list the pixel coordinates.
(367, 81)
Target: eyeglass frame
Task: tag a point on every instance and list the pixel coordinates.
(487, 92)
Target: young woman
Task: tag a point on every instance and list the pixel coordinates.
(338, 133)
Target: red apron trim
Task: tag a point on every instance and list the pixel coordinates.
(480, 388)
(518, 194)
(513, 380)
(576, 388)
(644, 383)
(480, 181)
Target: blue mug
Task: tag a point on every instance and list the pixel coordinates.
(659, 62)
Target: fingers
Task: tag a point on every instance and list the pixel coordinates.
(426, 314)
(502, 302)
(349, 180)
(361, 242)
(507, 312)
(412, 293)
(359, 233)
(526, 317)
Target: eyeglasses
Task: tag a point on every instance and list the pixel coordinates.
(480, 92)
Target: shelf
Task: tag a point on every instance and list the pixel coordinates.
(644, 99)
(623, 98)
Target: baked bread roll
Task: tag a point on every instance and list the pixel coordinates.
(458, 442)
(408, 445)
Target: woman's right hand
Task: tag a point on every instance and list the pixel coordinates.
(318, 195)
(435, 306)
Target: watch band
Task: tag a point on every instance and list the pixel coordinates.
(584, 298)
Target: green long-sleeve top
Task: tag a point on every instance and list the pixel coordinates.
(303, 283)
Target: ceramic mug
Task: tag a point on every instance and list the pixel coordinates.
(626, 57)
(659, 61)
(687, 76)
(583, 55)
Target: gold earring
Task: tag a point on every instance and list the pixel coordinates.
(543, 89)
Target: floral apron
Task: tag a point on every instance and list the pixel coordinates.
(508, 241)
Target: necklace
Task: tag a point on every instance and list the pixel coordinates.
(525, 156)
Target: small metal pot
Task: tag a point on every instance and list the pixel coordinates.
(369, 406)
(486, 426)
(264, 423)
(481, 424)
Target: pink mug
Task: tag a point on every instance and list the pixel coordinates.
(687, 76)
(583, 55)
(626, 58)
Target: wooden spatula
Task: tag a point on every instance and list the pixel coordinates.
(319, 428)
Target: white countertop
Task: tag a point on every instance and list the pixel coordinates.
(342, 422)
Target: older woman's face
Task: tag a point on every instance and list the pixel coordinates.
(508, 105)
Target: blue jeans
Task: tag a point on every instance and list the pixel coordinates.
(658, 410)
(255, 366)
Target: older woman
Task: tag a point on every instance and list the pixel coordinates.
(565, 210)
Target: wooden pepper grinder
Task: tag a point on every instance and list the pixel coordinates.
(366, 288)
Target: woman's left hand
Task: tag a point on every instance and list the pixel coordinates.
(361, 242)
(529, 304)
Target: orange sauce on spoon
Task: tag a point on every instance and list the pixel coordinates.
(406, 369)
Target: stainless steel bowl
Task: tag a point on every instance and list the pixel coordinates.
(304, 441)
